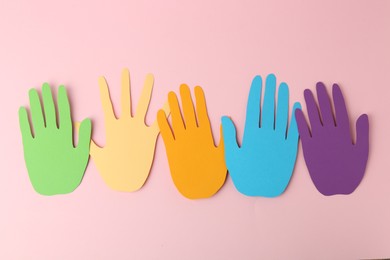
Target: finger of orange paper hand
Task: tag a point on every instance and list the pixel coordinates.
(166, 111)
(221, 145)
(165, 129)
(177, 120)
(188, 107)
(201, 109)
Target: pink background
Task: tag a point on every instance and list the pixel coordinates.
(220, 46)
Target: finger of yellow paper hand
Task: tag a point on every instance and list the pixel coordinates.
(106, 100)
(188, 107)
(177, 120)
(144, 100)
(125, 94)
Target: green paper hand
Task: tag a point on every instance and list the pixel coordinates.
(54, 165)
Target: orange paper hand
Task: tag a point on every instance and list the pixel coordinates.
(126, 159)
(197, 166)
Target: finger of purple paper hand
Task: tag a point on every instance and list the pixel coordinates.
(342, 119)
(303, 128)
(293, 133)
(362, 134)
(312, 111)
(325, 106)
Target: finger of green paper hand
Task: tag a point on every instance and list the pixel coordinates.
(24, 125)
(94, 149)
(36, 112)
(48, 105)
(85, 135)
(65, 120)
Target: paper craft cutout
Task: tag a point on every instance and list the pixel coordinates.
(197, 166)
(125, 161)
(336, 165)
(263, 165)
(54, 165)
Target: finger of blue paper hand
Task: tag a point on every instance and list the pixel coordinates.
(230, 139)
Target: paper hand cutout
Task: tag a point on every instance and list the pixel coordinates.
(125, 161)
(263, 165)
(197, 166)
(335, 164)
(54, 165)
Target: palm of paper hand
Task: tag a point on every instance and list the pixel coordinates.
(127, 170)
(52, 156)
(273, 172)
(197, 166)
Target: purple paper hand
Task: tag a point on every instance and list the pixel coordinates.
(336, 165)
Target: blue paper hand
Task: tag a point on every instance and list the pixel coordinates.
(263, 165)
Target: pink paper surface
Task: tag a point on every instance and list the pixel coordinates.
(220, 46)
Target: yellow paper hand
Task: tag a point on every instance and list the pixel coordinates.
(126, 159)
(197, 166)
